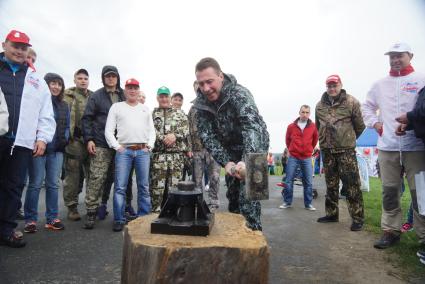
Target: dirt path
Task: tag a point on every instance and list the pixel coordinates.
(304, 251)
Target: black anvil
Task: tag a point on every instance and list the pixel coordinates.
(184, 213)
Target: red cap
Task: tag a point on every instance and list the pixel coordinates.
(333, 79)
(132, 81)
(17, 36)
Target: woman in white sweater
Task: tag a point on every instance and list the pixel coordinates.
(135, 136)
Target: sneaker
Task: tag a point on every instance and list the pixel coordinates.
(327, 219)
(407, 227)
(55, 225)
(18, 234)
(12, 241)
(30, 227)
(281, 184)
(422, 260)
(102, 212)
(315, 194)
(421, 253)
(284, 206)
(73, 214)
(310, 207)
(356, 226)
(118, 227)
(387, 239)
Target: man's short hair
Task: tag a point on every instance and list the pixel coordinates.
(304, 106)
(82, 71)
(177, 95)
(208, 62)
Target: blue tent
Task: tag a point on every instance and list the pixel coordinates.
(369, 138)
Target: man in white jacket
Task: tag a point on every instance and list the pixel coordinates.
(135, 137)
(31, 127)
(387, 99)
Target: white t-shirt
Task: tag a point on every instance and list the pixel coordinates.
(302, 124)
(134, 125)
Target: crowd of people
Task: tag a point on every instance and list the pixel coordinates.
(102, 138)
(395, 108)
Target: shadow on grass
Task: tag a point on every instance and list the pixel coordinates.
(403, 254)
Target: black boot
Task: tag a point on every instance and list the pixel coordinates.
(91, 217)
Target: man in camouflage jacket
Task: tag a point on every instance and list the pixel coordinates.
(339, 122)
(229, 126)
(76, 155)
(171, 144)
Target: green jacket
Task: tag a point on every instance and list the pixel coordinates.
(170, 121)
(231, 126)
(339, 123)
(76, 101)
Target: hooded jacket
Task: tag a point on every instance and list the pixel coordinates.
(97, 109)
(339, 123)
(62, 117)
(29, 105)
(387, 99)
(231, 126)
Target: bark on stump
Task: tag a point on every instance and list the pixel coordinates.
(232, 253)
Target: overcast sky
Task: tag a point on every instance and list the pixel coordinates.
(281, 50)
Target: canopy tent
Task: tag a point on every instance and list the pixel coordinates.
(369, 138)
(366, 149)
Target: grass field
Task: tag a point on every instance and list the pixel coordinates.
(405, 251)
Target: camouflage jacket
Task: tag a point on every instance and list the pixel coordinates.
(195, 141)
(76, 101)
(339, 123)
(170, 121)
(232, 125)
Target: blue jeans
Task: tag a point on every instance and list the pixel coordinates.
(307, 178)
(46, 168)
(123, 164)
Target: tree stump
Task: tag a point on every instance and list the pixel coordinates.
(232, 253)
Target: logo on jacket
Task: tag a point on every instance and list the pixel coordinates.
(410, 88)
(34, 82)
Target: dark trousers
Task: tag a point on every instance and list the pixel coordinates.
(13, 169)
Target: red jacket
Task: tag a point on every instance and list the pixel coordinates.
(301, 143)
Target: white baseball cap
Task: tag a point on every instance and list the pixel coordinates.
(399, 47)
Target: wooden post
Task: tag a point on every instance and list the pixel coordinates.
(232, 253)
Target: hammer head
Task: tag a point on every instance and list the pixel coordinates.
(256, 176)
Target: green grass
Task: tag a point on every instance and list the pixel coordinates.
(404, 254)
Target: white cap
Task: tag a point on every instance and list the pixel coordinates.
(399, 47)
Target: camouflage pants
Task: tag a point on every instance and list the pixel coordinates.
(238, 203)
(99, 165)
(343, 165)
(166, 171)
(202, 160)
(76, 164)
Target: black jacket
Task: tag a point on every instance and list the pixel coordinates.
(96, 112)
(416, 117)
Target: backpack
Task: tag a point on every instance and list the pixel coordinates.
(4, 115)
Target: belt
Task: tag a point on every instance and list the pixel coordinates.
(136, 146)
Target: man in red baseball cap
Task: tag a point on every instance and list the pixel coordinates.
(135, 135)
(31, 127)
(340, 123)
